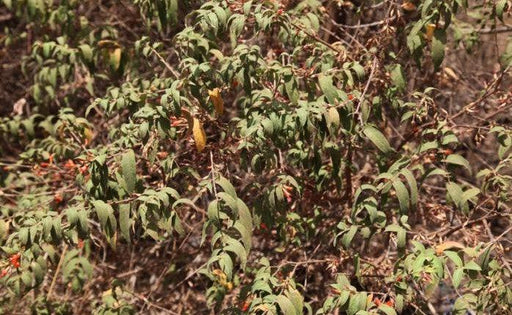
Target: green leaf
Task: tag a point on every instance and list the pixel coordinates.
(386, 309)
(328, 88)
(438, 45)
(402, 194)
(226, 186)
(377, 138)
(332, 117)
(86, 51)
(26, 277)
(500, 8)
(359, 70)
(128, 166)
(347, 237)
(471, 265)
(296, 299)
(238, 249)
(285, 305)
(455, 192)
(125, 221)
(398, 77)
(470, 194)
(413, 186)
(454, 256)
(506, 57)
(458, 160)
(173, 11)
(103, 210)
(401, 234)
(357, 303)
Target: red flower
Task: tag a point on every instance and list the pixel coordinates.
(15, 260)
(245, 307)
(448, 151)
(4, 273)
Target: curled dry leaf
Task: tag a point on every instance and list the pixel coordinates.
(430, 31)
(199, 134)
(448, 245)
(408, 6)
(217, 100)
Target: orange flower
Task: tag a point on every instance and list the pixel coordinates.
(69, 165)
(58, 198)
(287, 193)
(162, 155)
(83, 169)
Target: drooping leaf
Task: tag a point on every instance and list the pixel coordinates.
(438, 46)
(128, 166)
(398, 77)
(458, 160)
(377, 138)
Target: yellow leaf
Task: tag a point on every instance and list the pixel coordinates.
(217, 100)
(115, 58)
(430, 31)
(449, 72)
(448, 245)
(229, 286)
(199, 135)
(88, 134)
(107, 43)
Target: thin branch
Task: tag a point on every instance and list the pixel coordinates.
(361, 98)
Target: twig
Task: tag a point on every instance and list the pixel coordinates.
(148, 302)
(59, 265)
(167, 65)
(377, 23)
(503, 29)
(361, 98)
(321, 41)
(488, 92)
(496, 240)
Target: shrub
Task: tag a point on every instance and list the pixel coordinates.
(255, 157)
